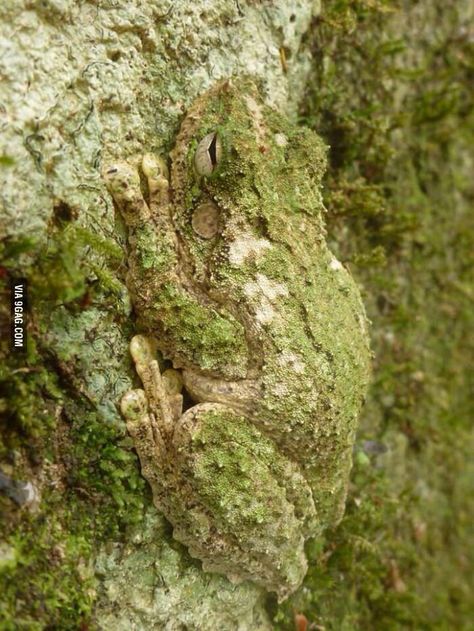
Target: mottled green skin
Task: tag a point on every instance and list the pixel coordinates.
(261, 307)
(273, 192)
(250, 508)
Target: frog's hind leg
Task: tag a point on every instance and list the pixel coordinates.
(239, 507)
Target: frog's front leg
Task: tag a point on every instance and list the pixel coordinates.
(153, 261)
(191, 330)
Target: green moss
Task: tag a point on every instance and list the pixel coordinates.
(204, 333)
(43, 557)
(225, 476)
(48, 582)
(77, 459)
(153, 253)
(390, 95)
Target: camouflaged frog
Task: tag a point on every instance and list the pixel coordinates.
(232, 280)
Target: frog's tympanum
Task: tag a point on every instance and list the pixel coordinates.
(232, 280)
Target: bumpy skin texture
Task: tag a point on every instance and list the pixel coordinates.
(230, 272)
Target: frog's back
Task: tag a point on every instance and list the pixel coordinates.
(316, 378)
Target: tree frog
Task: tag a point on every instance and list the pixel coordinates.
(233, 282)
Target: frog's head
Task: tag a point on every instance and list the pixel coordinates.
(240, 166)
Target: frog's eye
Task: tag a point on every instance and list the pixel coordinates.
(205, 220)
(208, 154)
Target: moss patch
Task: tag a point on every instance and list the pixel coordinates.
(54, 435)
(390, 93)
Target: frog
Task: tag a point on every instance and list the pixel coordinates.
(246, 437)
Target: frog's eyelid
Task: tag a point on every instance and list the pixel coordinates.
(208, 154)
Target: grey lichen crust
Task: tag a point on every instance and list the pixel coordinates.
(150, 583)
(230, 271)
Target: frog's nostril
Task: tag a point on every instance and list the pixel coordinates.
(208, 154)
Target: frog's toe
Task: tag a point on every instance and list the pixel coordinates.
(154, 167)
(123, 183)
(121, 178)
(155, 170)
(134, 407)
(143, 349)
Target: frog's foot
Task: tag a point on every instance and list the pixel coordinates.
(163, 391)
(122, 180)
(142, 427)
(151, 413)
